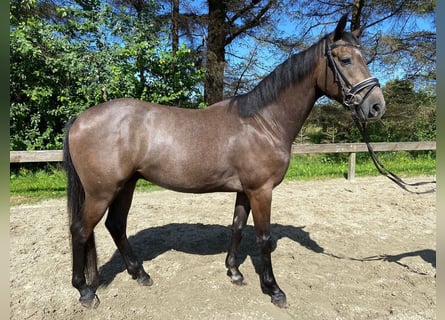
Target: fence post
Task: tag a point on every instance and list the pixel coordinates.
(351, 167)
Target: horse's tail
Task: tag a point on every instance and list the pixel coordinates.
(75, 191)
(75, 203)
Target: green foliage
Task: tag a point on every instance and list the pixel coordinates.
(171, 85)
(410, 115)
(37, 83)
(67, 56)
(329, 123)
(79, 56)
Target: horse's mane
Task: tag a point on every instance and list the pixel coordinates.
(291, 71)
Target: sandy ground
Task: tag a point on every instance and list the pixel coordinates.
(344, 250)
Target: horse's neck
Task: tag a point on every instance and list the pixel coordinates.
(292, 107)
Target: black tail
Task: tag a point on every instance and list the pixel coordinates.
(75, 202)
(75, 191)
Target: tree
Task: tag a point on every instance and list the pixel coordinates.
(218, 26)
(395, 36)
(400, 50)
(41, 83)
(213, 28)
(228, 20)
(65, 58)
(411, 114)
(329, 123)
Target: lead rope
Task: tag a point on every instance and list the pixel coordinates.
(381, 168)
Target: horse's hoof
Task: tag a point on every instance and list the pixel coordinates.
(239, 281)
(236, 277)
(145, 280)
(90, 301)
(279, 300)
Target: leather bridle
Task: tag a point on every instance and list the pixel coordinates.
(351, 98)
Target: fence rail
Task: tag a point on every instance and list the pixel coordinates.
(361, 147)
(351, 148)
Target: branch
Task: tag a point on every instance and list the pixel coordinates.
(392, 14)
(248, 65)
(242, 11)
(255, 21)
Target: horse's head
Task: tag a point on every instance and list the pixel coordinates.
(346, 78)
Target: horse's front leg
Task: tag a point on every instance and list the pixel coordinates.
(242, 209)
(260, 201)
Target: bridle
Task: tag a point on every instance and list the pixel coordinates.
(352, 102)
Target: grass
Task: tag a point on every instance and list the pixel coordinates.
(318, 166)
(31, 186)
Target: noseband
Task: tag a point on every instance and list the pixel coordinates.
(351, 100)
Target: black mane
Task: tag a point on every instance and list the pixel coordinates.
(294, 69)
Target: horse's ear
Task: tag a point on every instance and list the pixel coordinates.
(340, 27)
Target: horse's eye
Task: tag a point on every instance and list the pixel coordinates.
(345, 61)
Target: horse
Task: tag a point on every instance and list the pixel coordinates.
(241, 145)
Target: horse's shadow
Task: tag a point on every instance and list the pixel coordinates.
(200, 239)
(428, 255)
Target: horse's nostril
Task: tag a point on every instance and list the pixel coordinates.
(375, 110)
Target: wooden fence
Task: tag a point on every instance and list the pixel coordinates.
(351, 148)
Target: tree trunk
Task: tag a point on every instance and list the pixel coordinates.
(216, 41)
(356, 14)
(175, 26)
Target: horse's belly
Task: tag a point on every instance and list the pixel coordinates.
(193, 178)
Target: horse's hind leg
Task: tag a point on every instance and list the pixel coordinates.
(116, 224)
(84, 251)
(242, 209)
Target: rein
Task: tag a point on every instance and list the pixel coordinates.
(382, 169)
(352, 102)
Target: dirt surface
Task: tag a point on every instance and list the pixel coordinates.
(344, 250)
